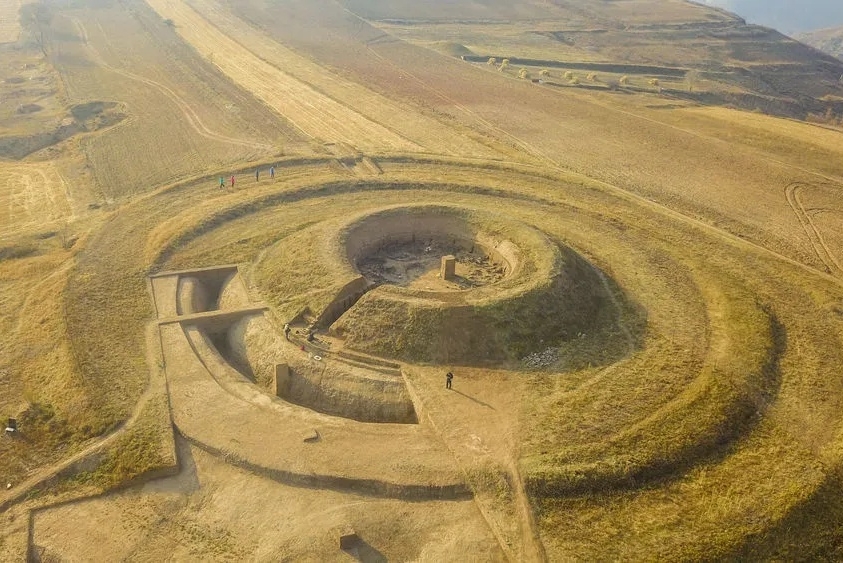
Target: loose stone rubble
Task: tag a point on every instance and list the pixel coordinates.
(541, 359)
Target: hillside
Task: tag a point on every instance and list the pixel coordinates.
(687, 50)
(828, 40)
(786, 15)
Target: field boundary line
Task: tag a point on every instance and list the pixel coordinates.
(314, 86)
(300, 104)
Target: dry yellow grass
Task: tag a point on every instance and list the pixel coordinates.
(40, 384)
(803, 145)
(33, 196)
(313, 113)
(702, 418)
(9, 23)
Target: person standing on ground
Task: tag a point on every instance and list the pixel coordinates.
(271, 172)
(287, 331)
(222, 183)
(232, 180)
(448, 378)
(257, 174)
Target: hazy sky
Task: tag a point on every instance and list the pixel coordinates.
(788, 16)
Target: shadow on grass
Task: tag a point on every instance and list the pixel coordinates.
(470, 398)
(364, 552)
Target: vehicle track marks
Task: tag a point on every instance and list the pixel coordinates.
(189, 113)
(32, 196)
(793, 193)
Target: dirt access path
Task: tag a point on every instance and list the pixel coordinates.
(821, 247)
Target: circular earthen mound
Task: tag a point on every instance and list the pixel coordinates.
(543, 292)
(515, 291)
(683, 397)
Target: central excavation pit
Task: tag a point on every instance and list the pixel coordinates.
(417, 264)
(428, 249)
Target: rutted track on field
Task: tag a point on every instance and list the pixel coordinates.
(31, 195)
(793, 194)
(314, 114)
(189, 113)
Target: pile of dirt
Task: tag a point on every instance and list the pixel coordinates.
(452, 49)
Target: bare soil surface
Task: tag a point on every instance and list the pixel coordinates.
(418, 264)
(200, 514)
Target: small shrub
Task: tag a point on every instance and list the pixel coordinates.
(624, 80)
(545, 72)
(568, 75)
(653, 82)
(591, 77)
(523, 73)
(492, 61)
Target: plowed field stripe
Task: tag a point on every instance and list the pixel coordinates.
(315, 114)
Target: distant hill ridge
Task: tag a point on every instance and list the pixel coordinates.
(733, 63)
(788, 16)
(827, 40)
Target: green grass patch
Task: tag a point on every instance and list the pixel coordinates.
(143, 450)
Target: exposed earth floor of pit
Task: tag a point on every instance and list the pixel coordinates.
(416, 265)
